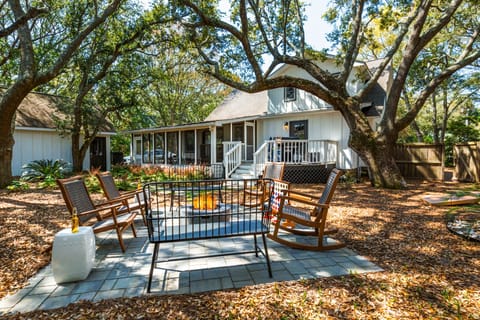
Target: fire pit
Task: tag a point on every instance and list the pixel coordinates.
(206, 201)
(207, 208)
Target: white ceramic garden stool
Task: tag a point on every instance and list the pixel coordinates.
(73, 254)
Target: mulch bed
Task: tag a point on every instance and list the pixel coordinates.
(429, 271)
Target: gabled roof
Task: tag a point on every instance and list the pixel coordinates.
(240, 105)
(40, 110)
(378, 93)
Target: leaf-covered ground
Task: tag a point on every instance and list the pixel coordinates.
(429, 272)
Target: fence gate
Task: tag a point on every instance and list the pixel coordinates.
(467, 157)
(420, 161)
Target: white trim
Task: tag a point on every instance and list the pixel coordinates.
(35, 129)
(200, 125)
(99, 134)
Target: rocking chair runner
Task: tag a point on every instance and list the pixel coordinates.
(307, 222)
(75, 194)
(132, 200)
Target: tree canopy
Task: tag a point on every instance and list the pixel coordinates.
(234, 46)
(107, 58)
(37, 51)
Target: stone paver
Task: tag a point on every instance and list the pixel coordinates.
(116, 274)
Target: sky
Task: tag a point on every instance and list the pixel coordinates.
(315, 27)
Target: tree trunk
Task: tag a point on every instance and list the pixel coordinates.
(10, 101)
(6, 154)
(79, 152)
(77, 158)
(416, 129)
(379, 157)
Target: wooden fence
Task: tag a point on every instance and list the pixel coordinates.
(467, 161)
(420, 161)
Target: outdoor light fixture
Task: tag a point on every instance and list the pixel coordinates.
(285, 126)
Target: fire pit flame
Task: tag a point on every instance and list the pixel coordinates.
(205, 202)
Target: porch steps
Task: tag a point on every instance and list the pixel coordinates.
(244, 171)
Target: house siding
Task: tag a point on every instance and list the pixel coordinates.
(323, 125)
(33, 145)
(305, 101)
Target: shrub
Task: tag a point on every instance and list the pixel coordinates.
(18, 185)
(45, 171)
(91, 181)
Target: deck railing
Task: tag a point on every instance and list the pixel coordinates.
(295, 151)
(233, 156)
(260, 157)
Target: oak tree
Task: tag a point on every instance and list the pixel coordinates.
(41, 48)
(234, 47)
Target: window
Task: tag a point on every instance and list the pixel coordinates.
(238, 132)
(299, 129)
(189, 141)
(289, 94)
(159, 147)
(147, 144)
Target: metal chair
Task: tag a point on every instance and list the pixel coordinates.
(101, 217)
(308, 220)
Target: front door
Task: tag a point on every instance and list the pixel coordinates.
(249, 140)
(137, 149)
(98, 153)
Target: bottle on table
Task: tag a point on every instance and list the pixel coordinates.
(75, 220)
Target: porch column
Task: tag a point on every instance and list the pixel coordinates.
(153, 147)
(195, 149)
(165, 153)
(108, 150)
(245, 144)
(179, 156)
(132, 141)
(213, 144)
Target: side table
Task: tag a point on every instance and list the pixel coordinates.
(73, 254)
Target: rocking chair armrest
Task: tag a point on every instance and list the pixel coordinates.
(118, 200)
(132, 193)
(99, 209)
(111, 204)
(304, 201)
(254, 191)
(301, 194)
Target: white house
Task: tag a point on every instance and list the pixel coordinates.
(284, 124)
(36, 135)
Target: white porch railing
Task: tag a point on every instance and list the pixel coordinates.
(260, 157)
(233, 156)
(295, 151)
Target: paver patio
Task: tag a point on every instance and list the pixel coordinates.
(116, 274)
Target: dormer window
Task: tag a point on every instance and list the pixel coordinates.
(289, 94)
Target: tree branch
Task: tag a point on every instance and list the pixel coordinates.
(404, 27)
(430, 88)
(73, 46)
(355, 40)
(30, 14)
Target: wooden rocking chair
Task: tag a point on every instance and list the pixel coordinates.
(132, 200)
(256, 195)
(75, 194)
(308, 222)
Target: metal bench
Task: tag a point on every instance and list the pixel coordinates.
(204, 209)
